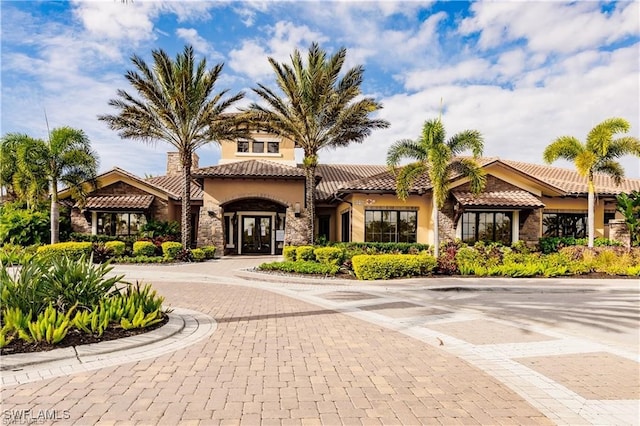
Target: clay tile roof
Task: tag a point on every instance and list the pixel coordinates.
(385, 182)
(173, 186)
(336, 175)
(571, 182)
(498, 199)
(119, 202)
(250, 168)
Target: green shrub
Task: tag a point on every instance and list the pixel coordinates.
(170, 249)
(300, 267)
(554, 244)
(117, 247)
(289, 253)
(305, 253)
(158, 228)
(70, 249)
(144, 248)
(11, 254)
(329, 255)
(209, 252)
(382, 248)
(386, 266)
(24, 227)
(198, 254)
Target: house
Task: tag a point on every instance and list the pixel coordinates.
(122, 202)
(253, 202)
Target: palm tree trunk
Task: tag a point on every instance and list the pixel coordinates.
(591, 222)
(436, 229)
(310, 185)
(55, 212)
(186, 200)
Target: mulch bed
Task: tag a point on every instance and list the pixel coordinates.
(76, 338)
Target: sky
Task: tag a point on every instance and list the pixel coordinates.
(521, 72)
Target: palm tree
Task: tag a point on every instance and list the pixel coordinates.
(437, 157)
(66, 159)
(177, 105)
(596, 155)
(318, 109)
(15, 185)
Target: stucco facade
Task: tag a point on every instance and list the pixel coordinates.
(253, 201)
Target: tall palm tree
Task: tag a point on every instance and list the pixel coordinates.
(437, 157)
(596, 155)
(66, 159)
(316, 109)
(176, 104)
(16, 185)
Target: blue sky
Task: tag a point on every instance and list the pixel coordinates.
(522, 73)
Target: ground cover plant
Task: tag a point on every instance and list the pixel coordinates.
(56, 301)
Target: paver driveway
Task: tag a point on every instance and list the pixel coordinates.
(275, 359)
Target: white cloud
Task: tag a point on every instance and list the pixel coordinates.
(551, 26)
(114, 20)
(251, 58)
(200, 44)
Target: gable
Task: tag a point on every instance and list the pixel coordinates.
(116, 182)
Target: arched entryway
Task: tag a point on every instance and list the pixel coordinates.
(254, 226)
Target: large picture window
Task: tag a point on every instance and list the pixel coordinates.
(564, 225)
(487, 226)
(390, 226)
(120, 223)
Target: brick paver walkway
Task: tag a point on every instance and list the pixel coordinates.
(277, 360)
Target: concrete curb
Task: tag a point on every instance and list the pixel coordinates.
(175, 325)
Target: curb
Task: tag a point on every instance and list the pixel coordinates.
(12, 362)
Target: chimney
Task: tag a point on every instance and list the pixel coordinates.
(174, 165)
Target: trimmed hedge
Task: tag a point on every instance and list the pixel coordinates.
(198, 254)
(382, 248)
(117, 247)
(305, 253)
(171, 249)
(209, 252)
(70, 249)
(554, 244)
(289, 253)
(329, 255)
(386, 266)
(300, 267)
(144, 248)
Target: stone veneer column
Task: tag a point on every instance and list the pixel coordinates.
(210, 232)
(619, 231)
(295, 229)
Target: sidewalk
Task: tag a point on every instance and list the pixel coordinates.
(330, 352)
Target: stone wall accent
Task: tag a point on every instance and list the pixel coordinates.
(530, 226)
(210, 230)
(174, 164)
(619, 231)
(79, 221)
(446, 223)
(295, 233)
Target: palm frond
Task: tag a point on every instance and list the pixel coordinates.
(565, 147)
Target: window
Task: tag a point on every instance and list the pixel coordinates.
(258, 147)
(243, 146)
(487, 226)
(273, 147)
(346, 226)
(564, 225)
(390, 226)
(120, 223)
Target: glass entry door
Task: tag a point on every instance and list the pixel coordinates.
(256, 234)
